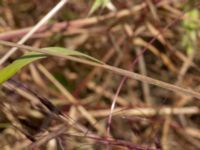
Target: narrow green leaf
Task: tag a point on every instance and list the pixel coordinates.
(10, 70)
(69, 52)
(97, 4)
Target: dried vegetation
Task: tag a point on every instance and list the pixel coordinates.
(58, 103)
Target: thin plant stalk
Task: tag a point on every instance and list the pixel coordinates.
(48, 16)
(126, 73)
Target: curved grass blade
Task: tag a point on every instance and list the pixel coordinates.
(97, 4)
(10, 70)
(66, 51)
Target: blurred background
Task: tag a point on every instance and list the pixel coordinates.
(160, 35)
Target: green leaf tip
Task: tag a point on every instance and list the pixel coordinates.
(10, 70)
(97, 4)
(69, 52)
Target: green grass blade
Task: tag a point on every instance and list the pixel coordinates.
(10, 70)
(97, 4)
(69, 52)
(18, 64)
